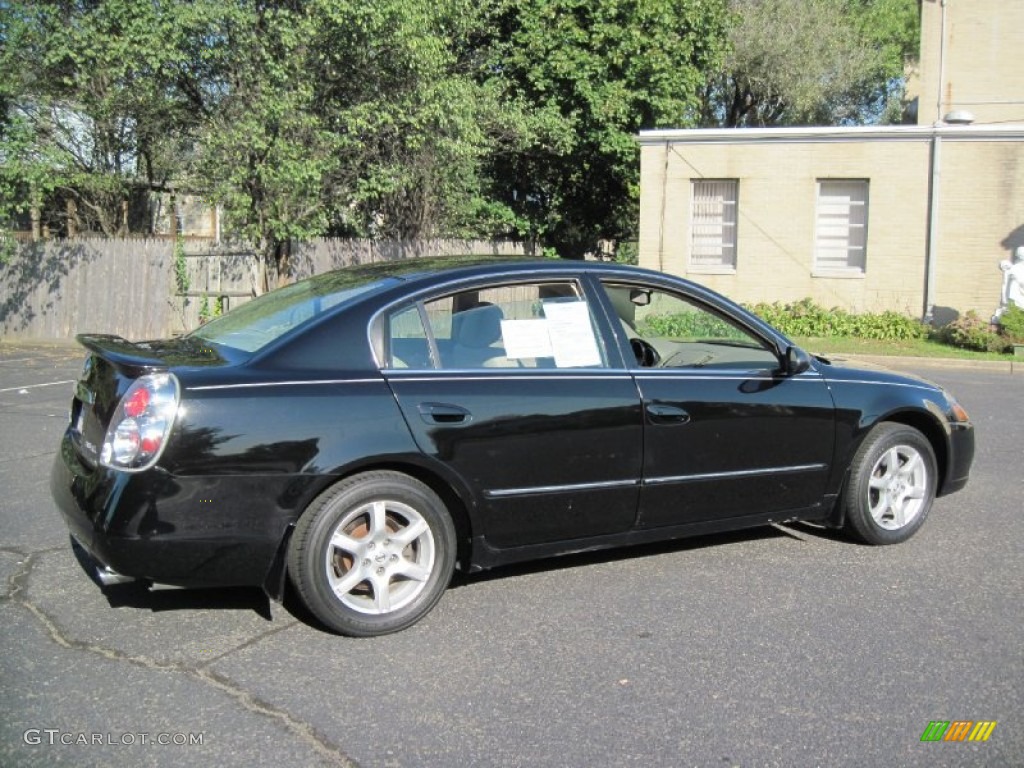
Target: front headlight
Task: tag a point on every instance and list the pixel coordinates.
(957, 413)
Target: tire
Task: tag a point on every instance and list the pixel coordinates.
(373, 554)
(892, 485)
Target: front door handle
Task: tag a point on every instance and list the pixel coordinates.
(662, 413)
(444, 413)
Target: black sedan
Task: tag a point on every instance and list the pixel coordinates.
(363, 433)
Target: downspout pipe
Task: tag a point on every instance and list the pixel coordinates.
(935, 177)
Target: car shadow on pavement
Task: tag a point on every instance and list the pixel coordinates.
(141, 594)
(159, 599)
(616, 554)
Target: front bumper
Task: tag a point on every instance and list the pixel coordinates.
(184, 531)
(961, 456)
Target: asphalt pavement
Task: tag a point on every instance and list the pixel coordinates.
(784, 646)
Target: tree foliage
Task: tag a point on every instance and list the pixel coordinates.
(806, 62)
(88, 82)
(593, 73)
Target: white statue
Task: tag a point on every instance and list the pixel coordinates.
(1013, 281)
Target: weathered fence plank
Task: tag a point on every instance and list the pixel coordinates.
(55, 289)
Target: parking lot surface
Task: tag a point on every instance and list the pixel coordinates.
(784, 646)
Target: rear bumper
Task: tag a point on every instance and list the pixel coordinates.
(183, 531)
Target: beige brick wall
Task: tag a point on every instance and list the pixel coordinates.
(981, 215)
(776, 218)
(984, 69)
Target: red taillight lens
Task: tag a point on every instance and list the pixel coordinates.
(136, 402)
(142, 421)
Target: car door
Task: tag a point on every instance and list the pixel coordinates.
(510, 386)
(727, 434)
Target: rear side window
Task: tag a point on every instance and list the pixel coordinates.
(523, 325)
(255, 324)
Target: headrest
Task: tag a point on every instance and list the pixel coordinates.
(478, 327)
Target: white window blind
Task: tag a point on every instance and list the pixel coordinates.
(842, 225)
(713, 223)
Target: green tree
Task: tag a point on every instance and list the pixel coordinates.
(265, 154)
(89, 91)
(414, 125)
(590, 74)
(345, 117)
(805, 62)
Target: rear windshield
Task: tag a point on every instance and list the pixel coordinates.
(253, 325)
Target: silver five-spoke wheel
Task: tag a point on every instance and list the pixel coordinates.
(892, 484)
(898, 487)
(373, 554)
(380, 557)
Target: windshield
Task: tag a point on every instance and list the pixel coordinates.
(253, 325)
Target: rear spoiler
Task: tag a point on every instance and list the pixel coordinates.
(128, 357)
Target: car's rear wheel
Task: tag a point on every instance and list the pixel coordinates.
(373, 554)
(892, 485)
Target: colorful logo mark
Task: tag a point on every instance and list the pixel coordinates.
(958, 730)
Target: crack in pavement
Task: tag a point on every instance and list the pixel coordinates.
(17, 585)
(26, 456)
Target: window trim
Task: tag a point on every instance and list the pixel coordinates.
(842, 272)
(381, 338)
(724, 267)
(603, 282)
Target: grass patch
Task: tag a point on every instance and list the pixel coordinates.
(902, 348)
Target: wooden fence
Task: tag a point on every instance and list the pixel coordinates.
(135, 289)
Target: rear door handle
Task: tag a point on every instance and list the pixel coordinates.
(444, 413)
(661, 413)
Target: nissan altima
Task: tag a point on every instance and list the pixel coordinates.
(362, 434)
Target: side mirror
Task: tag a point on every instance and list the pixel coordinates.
(640, 297)
(796, 361)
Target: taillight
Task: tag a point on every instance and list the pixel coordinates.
(142, 421)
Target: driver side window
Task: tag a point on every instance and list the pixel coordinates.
(669, 331)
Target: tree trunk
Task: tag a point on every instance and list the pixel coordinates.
(72, 208)
(37, 218)
(283, 262)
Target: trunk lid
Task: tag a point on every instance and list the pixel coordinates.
(112, 365)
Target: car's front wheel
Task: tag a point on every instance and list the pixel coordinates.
(892, 485)
(373, 554)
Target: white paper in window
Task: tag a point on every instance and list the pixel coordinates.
(572, 335)
(526, 338)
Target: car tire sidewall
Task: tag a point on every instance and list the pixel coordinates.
(310, 542)
(883, 438)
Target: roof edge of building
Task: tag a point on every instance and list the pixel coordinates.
(975, 132)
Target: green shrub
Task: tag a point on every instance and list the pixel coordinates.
(888, 326)
(805, 318)
(971, 332)
(1012, 323)
(627, 252)
(689, 325)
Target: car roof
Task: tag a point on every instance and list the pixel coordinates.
(430, 268)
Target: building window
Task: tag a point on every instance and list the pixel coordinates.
(713, 225)
(841, 235)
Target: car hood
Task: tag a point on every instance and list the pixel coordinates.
(837, 368)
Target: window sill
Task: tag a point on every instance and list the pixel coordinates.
(693, 269)
(837, 274)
